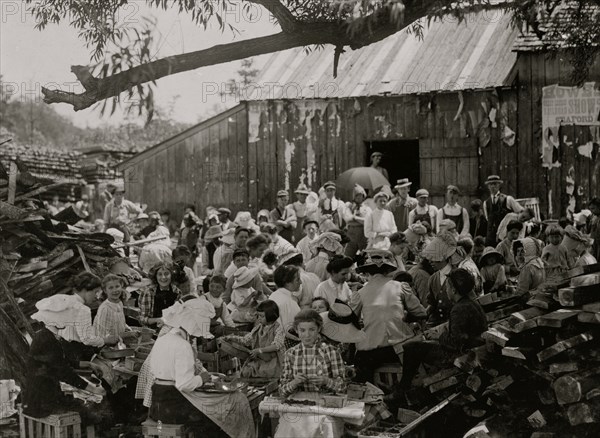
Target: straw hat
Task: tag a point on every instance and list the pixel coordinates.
(214, 232)
(243, 276)
(119, 188)
(493, 179)
(378, 258)
(59, 310)
(193, 316)
(116, 234)
(302, 190)
(329, 241)
(224, 210)
(282, 193)
(441, 248)
(404, 182)
(141, 216)
(490, 252)
(341, 324)
(289, 256)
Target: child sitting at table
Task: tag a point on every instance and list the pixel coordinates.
(265, 341)
(222, 317)
(244, 298)
(110, 319)
(311, 365)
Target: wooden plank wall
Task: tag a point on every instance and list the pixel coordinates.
(315, 140)
(209, 167)
(537, 70)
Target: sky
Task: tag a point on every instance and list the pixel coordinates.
(30, 59)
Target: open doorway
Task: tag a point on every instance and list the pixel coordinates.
(400, 159)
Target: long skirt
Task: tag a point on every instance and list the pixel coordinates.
(171, 407)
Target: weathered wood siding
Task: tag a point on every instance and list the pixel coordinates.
(205, 165)
(537, 70)
(315, 140)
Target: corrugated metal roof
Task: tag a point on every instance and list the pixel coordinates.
(477, 53)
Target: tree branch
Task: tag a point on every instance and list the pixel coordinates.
(301, 35)
(284, 17)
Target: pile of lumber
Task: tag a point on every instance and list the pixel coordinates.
(536, 375)
(38, 257)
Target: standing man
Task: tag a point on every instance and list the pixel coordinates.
(283, 216)
(118, 213)
(423, 212)
(302, 210)
(375, 164)
(496, 207)
(331, 208)
(453, 211)
(402, 204)
(354, 215)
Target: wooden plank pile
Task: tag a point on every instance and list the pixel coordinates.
(38, 257)
(538, 372)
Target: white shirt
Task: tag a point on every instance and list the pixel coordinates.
(82, 331)
(288, 308)
(453, 210)
(511, 204)
(281, 247)
(379, 221)
(230, 270)
(172, 358)
(304, 247)
(331, 291)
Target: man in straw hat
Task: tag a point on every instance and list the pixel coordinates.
(496, 207)
(303, 210)
(453, 211)
(354, 216)
(376, 164)
(402, 203)
(383, 304)
(284, 216)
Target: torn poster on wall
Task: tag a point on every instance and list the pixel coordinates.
(566, 106)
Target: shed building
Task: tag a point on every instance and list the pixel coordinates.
(457, 105)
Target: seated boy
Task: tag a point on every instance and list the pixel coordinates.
(222, 316)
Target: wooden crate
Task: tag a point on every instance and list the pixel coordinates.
(151, 429)
(387, 375)
(67, 425)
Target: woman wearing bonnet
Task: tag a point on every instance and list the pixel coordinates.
(49, 364)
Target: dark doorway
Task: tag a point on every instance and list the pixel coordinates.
(400, 159)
